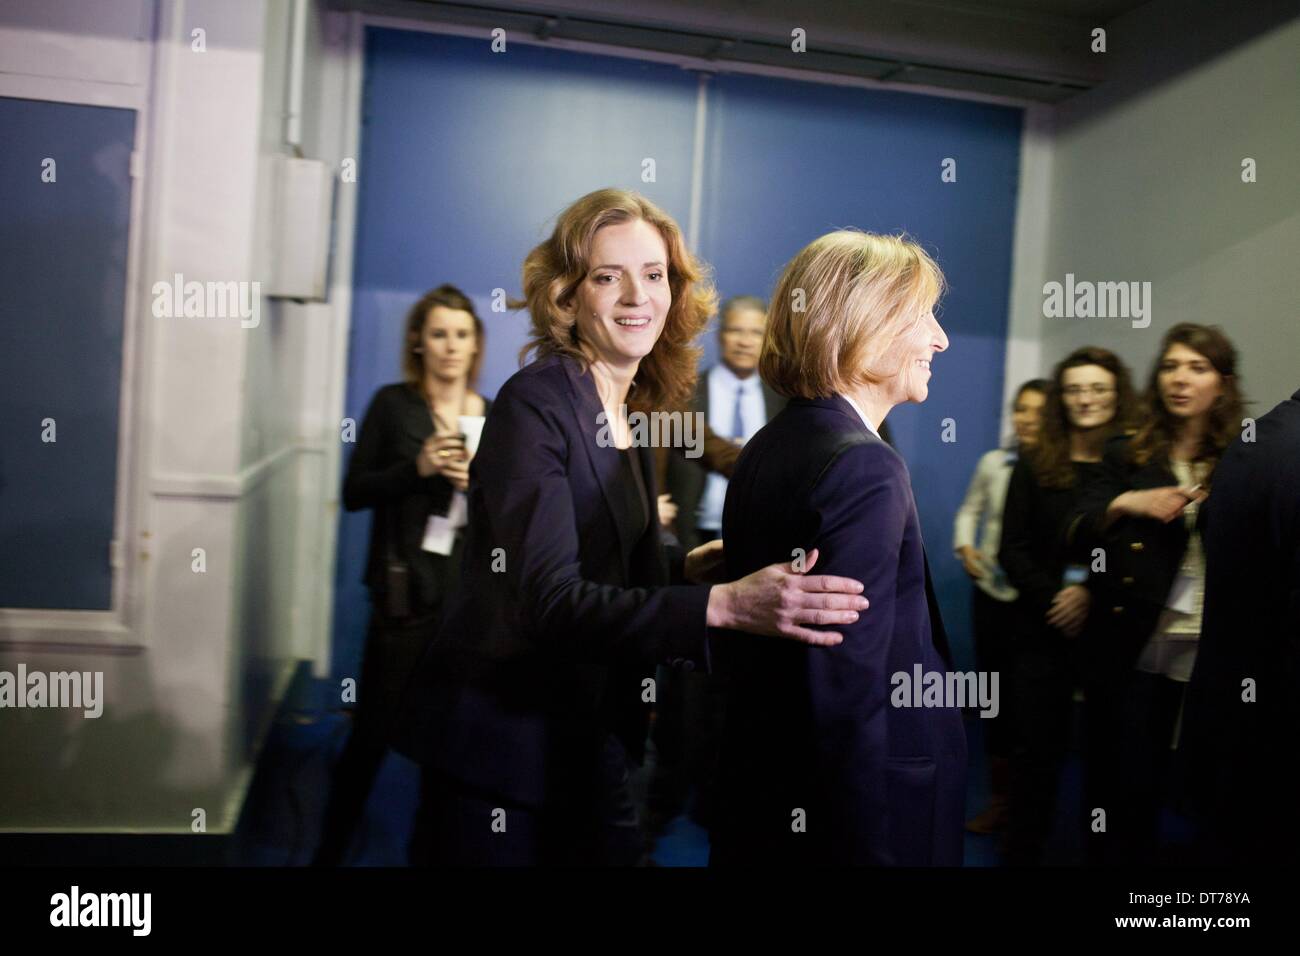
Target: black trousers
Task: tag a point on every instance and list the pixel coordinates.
(392, 649)
(593, 825)
(996, 624)
(1044, 667)
(690, 712)
(1133, 769)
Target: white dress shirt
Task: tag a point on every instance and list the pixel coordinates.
(722, 410)
(862, 415)
(1171, 650)
(986, 497)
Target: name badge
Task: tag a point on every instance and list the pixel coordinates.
(1182, 596)
(440, 530)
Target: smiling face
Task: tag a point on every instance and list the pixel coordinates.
(449, 342)
(911, 353)
(1089, 393)
(622, 302)
(1189, 385)
(741, 338)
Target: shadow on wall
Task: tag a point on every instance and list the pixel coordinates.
(1158, 41)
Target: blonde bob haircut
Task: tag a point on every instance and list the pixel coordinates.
(556, 267)
(840, 305)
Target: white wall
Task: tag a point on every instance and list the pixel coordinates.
(1145, 184)
(229, 445)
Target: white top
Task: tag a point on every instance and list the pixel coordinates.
(862, 415)
(723, 384)
(981, 512)
(1171, 650)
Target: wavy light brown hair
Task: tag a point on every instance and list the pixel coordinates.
(449, 297)
(1050, 458)
(840, 304)
(1160, 428)
(555, 268)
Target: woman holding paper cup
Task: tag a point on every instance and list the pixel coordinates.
(411, 468)
(535, 696)
(1143, 512)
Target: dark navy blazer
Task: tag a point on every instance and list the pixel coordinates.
(812, 729)
(561, 618)
(1242, 770)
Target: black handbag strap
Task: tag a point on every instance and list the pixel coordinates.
(390, 538)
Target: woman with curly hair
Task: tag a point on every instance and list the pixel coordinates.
(1143, 511)
(535, 695)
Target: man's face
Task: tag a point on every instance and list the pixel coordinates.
(741, 338)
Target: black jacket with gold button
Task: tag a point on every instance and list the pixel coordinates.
(1142, 555)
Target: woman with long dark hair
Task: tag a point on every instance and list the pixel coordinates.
(411, 468)
(1143, 510)
(1090, 400)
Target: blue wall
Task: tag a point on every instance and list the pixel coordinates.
(468, 155)
(63, 258)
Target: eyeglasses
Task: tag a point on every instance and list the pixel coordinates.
(1078, 391)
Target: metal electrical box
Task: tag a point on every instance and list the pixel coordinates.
(301, 229)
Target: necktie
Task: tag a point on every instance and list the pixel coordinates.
(738, 419)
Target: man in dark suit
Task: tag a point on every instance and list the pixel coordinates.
(735, 404)
(1243, 706)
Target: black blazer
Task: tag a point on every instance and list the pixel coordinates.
(687, 476)
(1243, 772)
(382, 476)
(1038, 536)
(560, 618)
(1142, 557)
(814, 727)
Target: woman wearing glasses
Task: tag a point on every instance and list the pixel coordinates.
(1143, 508)
(1090, 400)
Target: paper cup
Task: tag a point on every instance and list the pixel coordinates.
(471, 426)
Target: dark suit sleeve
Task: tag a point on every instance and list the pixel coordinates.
(1112, 481)
(1087, 528)
(368, 484)
(521, 470)
(1035, 583)
(720, 455)
(676, 557)
(862, 504)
